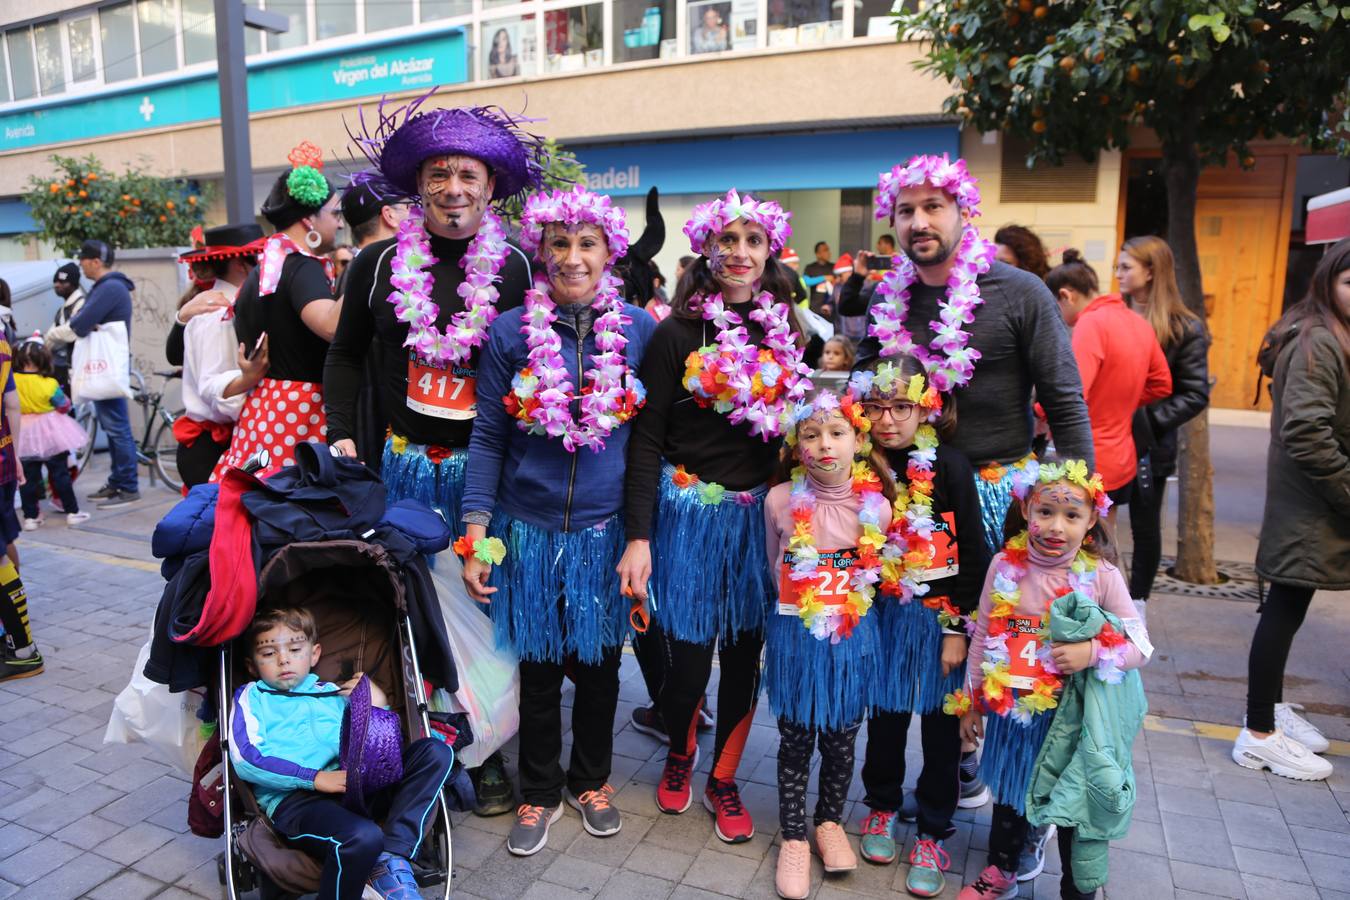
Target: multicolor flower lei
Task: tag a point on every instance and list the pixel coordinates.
(412, 301)
(710, 219)
(1030, 473)
(744, 382)
(710, 493)
(836, 622)
(490, 551)
(950, 362)
(541, 394)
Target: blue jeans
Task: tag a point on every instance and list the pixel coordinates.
(112, 418)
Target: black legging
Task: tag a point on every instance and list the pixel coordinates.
(1008, 835)
(1281, 617)
(1146, 508)
(794, 768)
(14, 609)
(687, 669)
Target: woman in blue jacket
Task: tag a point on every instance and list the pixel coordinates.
(545, 477)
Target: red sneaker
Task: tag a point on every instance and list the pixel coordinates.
(673, 794)
(733, 823)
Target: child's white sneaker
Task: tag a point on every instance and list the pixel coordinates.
(76, 518)
(31, 524)
(1280, 754)
(1299, 728)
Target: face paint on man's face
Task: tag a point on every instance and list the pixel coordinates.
(455, 191)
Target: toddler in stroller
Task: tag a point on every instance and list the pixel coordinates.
(324, 759)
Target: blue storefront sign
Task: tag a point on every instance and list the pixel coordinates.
(381, 67)
(848, 159)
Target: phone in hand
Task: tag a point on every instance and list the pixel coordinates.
(257, 345)
(879, 261)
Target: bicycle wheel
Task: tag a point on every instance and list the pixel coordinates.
(164, 451)
(84, 415)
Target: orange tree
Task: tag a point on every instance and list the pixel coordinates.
(1207, 76)
(81, 199)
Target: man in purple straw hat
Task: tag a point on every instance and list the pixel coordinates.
(427, 303)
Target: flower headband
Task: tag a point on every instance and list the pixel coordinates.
(937, 171)
(888, 381)
(826, 402)
(306, 183)
(572, 208)
(711, 218)
(1074, 471)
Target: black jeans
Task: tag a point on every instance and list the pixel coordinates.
(939, 785)
(349, 843)
(794, 768)
(597, 693)
(687, 669)
(1007, 835)
(58, 470)
(1283, 614)
(651, 656)
(196, 463)
(1146, 509)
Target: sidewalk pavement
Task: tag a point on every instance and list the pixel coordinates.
(79, 818)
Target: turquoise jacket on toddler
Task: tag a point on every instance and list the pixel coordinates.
(280, 740)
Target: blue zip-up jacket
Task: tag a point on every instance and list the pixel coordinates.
(532, 477)
(109, 300)
(279, 742)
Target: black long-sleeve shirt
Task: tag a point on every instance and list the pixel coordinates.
(1024, 346)
(672, 426)
(368, 316)
(956, 507)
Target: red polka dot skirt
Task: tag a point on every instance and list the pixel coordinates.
(277, 415)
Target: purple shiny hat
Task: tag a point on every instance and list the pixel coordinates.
(371, 752)
(399, 140)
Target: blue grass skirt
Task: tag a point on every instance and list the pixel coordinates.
(411, 475)
(1010, 751)
(816, 683)
(910, 661)
(558, 591)
(995, 498)
(709, 575)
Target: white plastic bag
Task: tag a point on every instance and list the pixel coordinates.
(489, 677)
(146, 711)
(100, 365)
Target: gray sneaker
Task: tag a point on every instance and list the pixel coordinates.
(120, 498)
(102, 493)
(1032, 861)
(530, 833)
(598, 816)
(974, 793)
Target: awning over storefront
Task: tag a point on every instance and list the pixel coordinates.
(1328, 218)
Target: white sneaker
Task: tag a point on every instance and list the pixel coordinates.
(1280, 754)
(31, 524)
(76, 518)
(1299, 728)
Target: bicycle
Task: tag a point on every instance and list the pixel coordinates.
(158, 448)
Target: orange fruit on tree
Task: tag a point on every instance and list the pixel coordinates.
(84, 194)
(1025, 5)
(1067, 63)
(168, 204)
(87, 214)
(1039, 126)
(1013, 19)
(1134, 74)
(1248, 161)
(135, 201)
(1041, 12)
(955, 29)
(56, 188)
(163, 218)
(70, 182)
(192, 200)
(1012, 61)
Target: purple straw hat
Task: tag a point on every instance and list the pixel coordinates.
(399, 140)
(371, 752)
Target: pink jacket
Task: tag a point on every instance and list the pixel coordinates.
(835, 521)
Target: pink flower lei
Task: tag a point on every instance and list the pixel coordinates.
(950, 362)
(542, 393)
(711, 218)
(412, 301)
(746, 383)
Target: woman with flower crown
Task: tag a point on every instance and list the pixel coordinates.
(722, 374)
(825, 531)
(546, 464)
(935, 560)
(289, 299)
(1055, 623)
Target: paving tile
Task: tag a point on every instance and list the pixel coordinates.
(1261, 827)
(146, 801)
(74, 877)
(88, 832)
(178, 857)
(578, 874)
(547, 891)
(471, 846)
(1327, 871)
(626, 885)
(507, 877)
(1144, 837)
(14, 837)
(1310, 804)
(1138, 876)
(134, 843)
(1254, 861)
(660, 862)
(1262, 888)
(1334, 843)
(70, 808)
(1190, 801)
(35, 860)
(1195, 840)
(127, 886)
(1245, 790)
(612, 850)
(721, 872)
(1207, 879)
(204, 880)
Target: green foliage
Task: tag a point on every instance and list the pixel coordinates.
(1075, 76)
(81, 199)
(562, 170)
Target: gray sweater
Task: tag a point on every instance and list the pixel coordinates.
(1023, 345)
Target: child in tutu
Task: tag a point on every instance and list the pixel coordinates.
(48, 434)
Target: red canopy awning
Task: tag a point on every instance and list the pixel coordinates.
(1328, 218)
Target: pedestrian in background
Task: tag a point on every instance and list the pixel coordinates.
(1305, 532)
(48, 435)
(1145, 273)
(59, 338)
(1019, 246)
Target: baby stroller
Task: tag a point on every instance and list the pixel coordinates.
(355, 593)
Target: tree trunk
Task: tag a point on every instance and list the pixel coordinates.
(1195, 522)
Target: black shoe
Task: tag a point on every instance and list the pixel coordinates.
(16, 667)
(102, 493)
(120, 498)
(495, 795)
(648, 721)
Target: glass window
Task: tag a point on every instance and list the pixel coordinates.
(51, 66)
(298, 12)
(333, 18)
(158, 21)
(199, 31)
(20, 46)
(117, 34)
(795, 23)
(873, 18)
(489, 4)
(445, 9)
(388, 14)
(4, 76)
(252, 41)
(641, 28)
(508, 47)
(574, 38)
(716, 25)
(80, 35)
